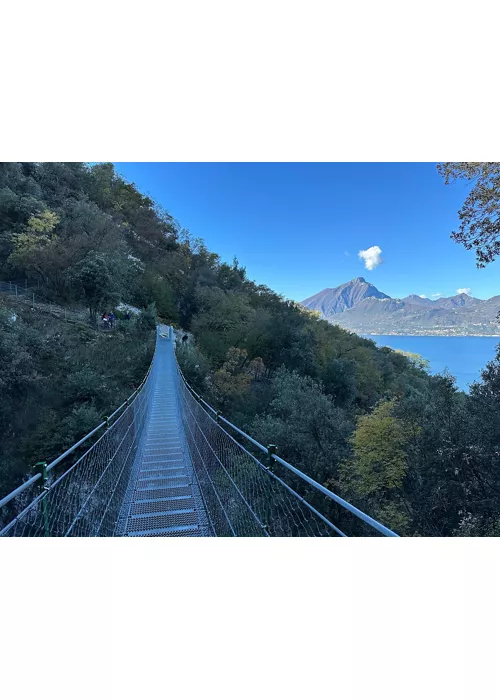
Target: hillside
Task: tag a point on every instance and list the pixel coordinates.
(359, 306)
(58, 379)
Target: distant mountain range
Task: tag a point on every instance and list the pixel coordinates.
(359, 306)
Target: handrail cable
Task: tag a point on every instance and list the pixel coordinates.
(48, 489)
(277, 478)
(32, 480)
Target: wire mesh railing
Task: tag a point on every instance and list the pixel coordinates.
(245, 496)
(242, 497)
(85, 500)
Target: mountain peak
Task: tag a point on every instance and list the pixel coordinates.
(339, 299)
(459, 300)
(419, 301)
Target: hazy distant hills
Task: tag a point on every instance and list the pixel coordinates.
(359, 306)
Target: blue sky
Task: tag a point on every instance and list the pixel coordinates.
(299, 227)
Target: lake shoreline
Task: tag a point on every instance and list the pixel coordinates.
(463, 356)
(427, 335)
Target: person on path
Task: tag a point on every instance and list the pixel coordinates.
(112, 319)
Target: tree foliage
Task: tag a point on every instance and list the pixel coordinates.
(379, 452)
(97, 281)
(479, 216)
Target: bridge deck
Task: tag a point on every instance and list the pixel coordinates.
(163, 498)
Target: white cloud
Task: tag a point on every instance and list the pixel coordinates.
(435, 296)
(463, 290)
(422, 296)
(371, 257)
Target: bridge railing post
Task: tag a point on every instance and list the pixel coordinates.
(271, 449)
(41, 467)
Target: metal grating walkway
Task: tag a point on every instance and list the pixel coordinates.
(163, 498)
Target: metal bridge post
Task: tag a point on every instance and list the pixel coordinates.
(271, 449)
(42, 468)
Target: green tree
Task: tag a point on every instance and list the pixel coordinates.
(96, 280)
(479, 467)
(310, 431)
(147, 319)
(434, 415)
(416, 360)
(479, 216)
(223, 322)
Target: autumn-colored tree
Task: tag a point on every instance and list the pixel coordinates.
(231, 379)
(379, 456)
(374, 476)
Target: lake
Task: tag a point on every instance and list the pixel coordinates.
(463, 356)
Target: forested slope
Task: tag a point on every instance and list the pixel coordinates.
(369, 423)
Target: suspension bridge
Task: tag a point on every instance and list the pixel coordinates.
(165, 464)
